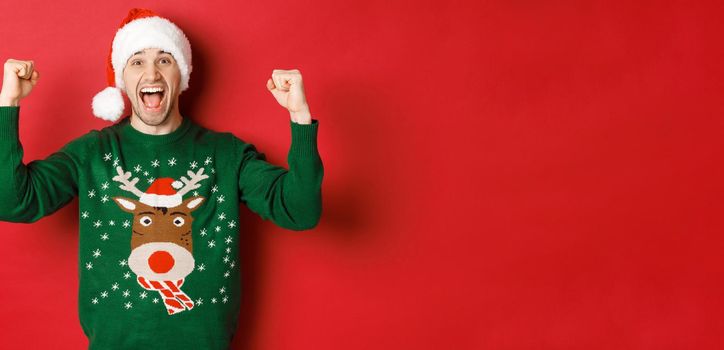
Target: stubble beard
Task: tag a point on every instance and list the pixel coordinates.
(137, 109)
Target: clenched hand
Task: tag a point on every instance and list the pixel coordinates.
(19, 78)
(287, 88)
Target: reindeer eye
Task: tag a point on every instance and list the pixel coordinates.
(145, 220)
(178, 221)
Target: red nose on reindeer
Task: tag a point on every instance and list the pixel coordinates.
(161, 261)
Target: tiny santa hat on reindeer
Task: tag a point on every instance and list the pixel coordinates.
(162, 193)
(141, 29)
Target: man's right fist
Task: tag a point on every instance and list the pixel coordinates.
(19, 77)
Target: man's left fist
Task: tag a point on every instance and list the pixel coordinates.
(288, 90)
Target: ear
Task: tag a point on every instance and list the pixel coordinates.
(127, 204)
(193, 203)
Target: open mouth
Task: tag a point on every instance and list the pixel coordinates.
(152, 98)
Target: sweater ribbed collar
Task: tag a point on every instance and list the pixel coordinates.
(131, 134)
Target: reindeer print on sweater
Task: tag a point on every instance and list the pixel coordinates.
(161, 244)
(151, 232)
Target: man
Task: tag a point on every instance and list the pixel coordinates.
(158, 194)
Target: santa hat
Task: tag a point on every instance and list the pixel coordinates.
(141, 29)
(162, 193)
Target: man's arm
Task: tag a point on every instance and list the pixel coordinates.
(30, 192)
(292, 198)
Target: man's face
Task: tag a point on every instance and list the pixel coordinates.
(144, 71)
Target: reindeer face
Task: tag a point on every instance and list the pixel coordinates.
(160, 224)
(161, 245)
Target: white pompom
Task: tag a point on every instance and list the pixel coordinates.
(177, 184)
(108, 104)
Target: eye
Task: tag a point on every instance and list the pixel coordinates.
(135, 63)
(178, 221)
(145, 220)
(165, 60)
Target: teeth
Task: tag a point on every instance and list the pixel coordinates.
(152, 89)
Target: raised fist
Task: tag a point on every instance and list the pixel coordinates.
(19, 77)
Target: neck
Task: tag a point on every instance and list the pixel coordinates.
(172, 122)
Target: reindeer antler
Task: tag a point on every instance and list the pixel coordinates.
(192, 184)
(125, 184)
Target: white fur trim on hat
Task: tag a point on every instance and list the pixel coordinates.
(151, 32)
(108, 104)
(157, 200)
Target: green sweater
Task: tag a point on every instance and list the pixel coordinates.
(159, 222)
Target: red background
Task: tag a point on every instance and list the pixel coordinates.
(498, 174)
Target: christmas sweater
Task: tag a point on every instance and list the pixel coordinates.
(159, 222)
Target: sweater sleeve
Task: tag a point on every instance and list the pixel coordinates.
(30, 192)
(292, 198)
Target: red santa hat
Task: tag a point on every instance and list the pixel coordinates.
(141, 29)
(162, 193)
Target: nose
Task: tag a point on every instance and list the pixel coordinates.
(151, 71)
(161, 261)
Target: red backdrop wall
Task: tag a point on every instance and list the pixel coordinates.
(498, 174)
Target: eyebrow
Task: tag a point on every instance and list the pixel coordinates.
(160, 52)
